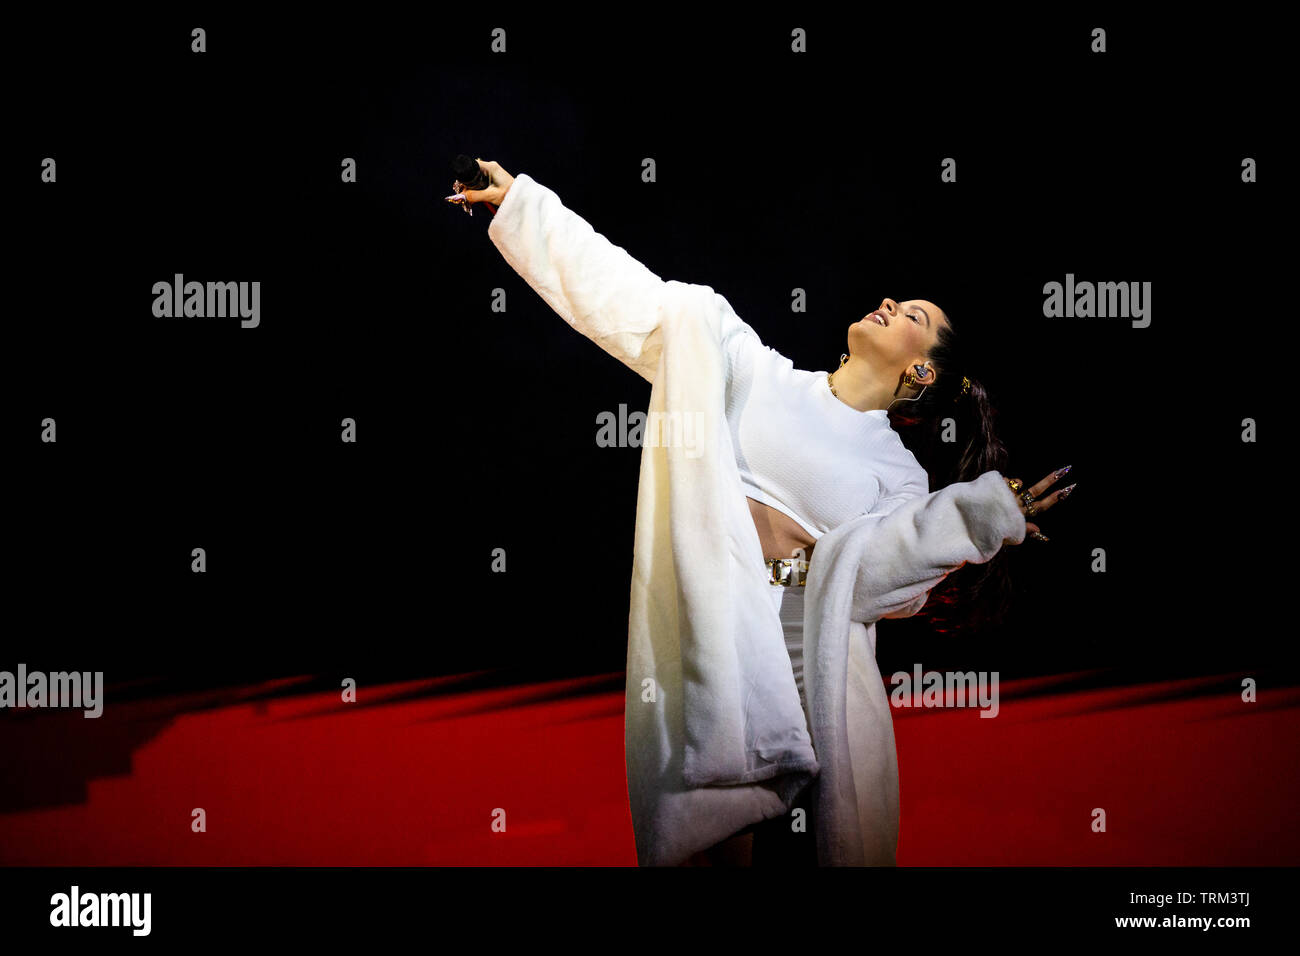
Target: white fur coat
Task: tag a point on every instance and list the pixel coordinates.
(715, 735)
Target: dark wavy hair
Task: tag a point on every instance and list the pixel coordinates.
(977, 594)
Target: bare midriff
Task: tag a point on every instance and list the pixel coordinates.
(779, 534)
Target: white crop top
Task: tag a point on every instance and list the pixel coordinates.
(803, 451)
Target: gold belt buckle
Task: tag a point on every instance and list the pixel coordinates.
(788, 572)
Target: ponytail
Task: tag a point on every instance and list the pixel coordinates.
(977, 594)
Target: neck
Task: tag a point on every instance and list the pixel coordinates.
(861, 387)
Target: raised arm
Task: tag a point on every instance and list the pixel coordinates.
(594, 285)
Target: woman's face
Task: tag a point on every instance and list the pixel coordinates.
(896, 335)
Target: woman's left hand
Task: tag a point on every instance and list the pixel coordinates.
(1036, 504)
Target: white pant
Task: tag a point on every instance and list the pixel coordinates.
(789, 603)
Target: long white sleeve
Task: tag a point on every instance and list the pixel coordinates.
(921, 541)
(917, 486)
(594, 285)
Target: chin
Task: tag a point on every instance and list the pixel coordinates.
(858, 337)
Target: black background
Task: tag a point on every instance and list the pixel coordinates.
(477, 429)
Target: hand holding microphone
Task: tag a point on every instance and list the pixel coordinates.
(477, 181)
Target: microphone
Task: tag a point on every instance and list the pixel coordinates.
(469, 175)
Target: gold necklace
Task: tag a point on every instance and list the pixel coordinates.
(830, 376)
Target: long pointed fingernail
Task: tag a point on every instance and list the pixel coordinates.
(1061, 473)
(1039, 536)
(1065, 492)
